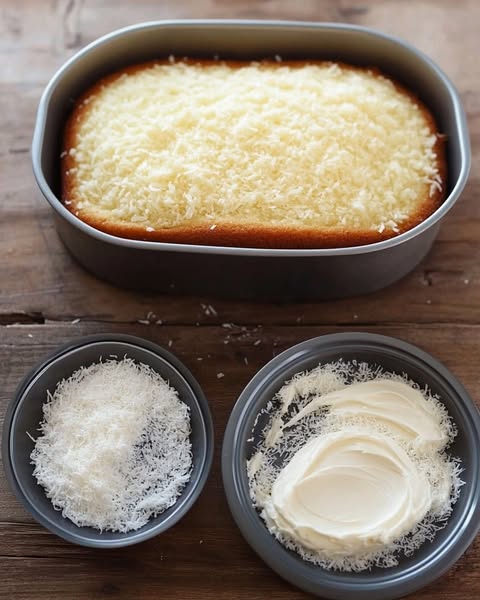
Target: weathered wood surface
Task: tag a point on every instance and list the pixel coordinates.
(43, 293)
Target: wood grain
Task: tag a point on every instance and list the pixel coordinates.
(46, 299)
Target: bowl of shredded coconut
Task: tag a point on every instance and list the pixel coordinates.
(108, 441)
(350, 465)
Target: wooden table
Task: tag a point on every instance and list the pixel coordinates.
(46, 299)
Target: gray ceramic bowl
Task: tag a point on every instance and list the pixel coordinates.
(247, 272)
(432, 558)
(25, 413)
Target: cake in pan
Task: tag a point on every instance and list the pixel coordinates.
(268, 154)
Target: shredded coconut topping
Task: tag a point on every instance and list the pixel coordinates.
(319, 145)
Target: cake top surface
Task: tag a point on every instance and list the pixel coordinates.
(303, 145)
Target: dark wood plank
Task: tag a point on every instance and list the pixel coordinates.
(40, 278)
(185, 561)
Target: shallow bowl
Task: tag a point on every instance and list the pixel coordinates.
(433, 558)
(25, 413)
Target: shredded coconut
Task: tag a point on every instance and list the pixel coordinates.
(114, 448)
(318, 145)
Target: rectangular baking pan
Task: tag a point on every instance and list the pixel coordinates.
(247, 272)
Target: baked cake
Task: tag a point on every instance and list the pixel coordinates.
(266, 154)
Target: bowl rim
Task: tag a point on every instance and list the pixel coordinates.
(133, 537)
(62, 211)
(344, 586)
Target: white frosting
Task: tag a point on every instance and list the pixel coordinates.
(355, 489)
(395, 404)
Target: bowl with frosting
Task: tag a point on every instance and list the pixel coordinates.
(350, 466)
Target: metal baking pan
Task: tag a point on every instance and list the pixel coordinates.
(247, 272)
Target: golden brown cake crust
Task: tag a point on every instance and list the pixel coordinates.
(255, 235)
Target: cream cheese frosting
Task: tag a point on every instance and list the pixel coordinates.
(399, 406)
(348, 492)
(368, 477)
